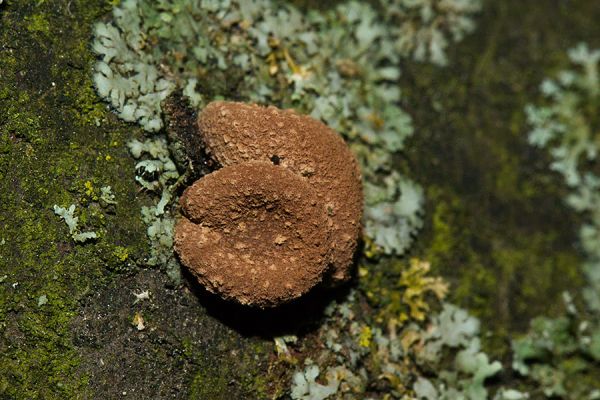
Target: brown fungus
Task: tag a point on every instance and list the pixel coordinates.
(269, 154)
(236, 132)
(254, 232)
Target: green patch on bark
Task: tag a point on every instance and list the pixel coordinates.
(50, 146)
(497, 228)
(37, 23)
(232, 376)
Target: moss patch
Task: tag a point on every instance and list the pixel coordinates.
(50, 146)
(497, 227)
(179, 351)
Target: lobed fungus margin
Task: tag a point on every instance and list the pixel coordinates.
(282, 214)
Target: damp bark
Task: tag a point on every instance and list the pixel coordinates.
(495, 227)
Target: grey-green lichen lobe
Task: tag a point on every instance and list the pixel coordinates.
(556, 352)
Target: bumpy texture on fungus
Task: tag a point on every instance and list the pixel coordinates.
(254, 232)
(236, 133)
(281, 215)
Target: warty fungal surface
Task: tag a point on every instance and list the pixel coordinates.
(283, 213)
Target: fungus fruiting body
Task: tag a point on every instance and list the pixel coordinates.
(254, 232)
(281, 215)
(236, 133)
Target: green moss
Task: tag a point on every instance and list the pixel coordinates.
(446, 237)
(208, 386)
(503, 276)
(49, 147)
(37, 23)
(121, 253)
(20, 122)
(87, 108)
(233, 375)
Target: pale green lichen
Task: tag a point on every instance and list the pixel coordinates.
(107, 196)
(267, 52)
(68, 215)
(568, 126)
(425, 28)
(156, 172)
(281, 347)
(437, 357)
(43, 299)
(455, 329)
(304, 386)
(561, 355)
(510, 394)
(393, 212)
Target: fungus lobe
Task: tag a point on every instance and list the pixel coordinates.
(254, 232)
(236, 132)
(281, 215)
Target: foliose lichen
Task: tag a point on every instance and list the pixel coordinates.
(68, 215)
(156, 172)
(403, 356)
(267, 52)
(425, 28)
